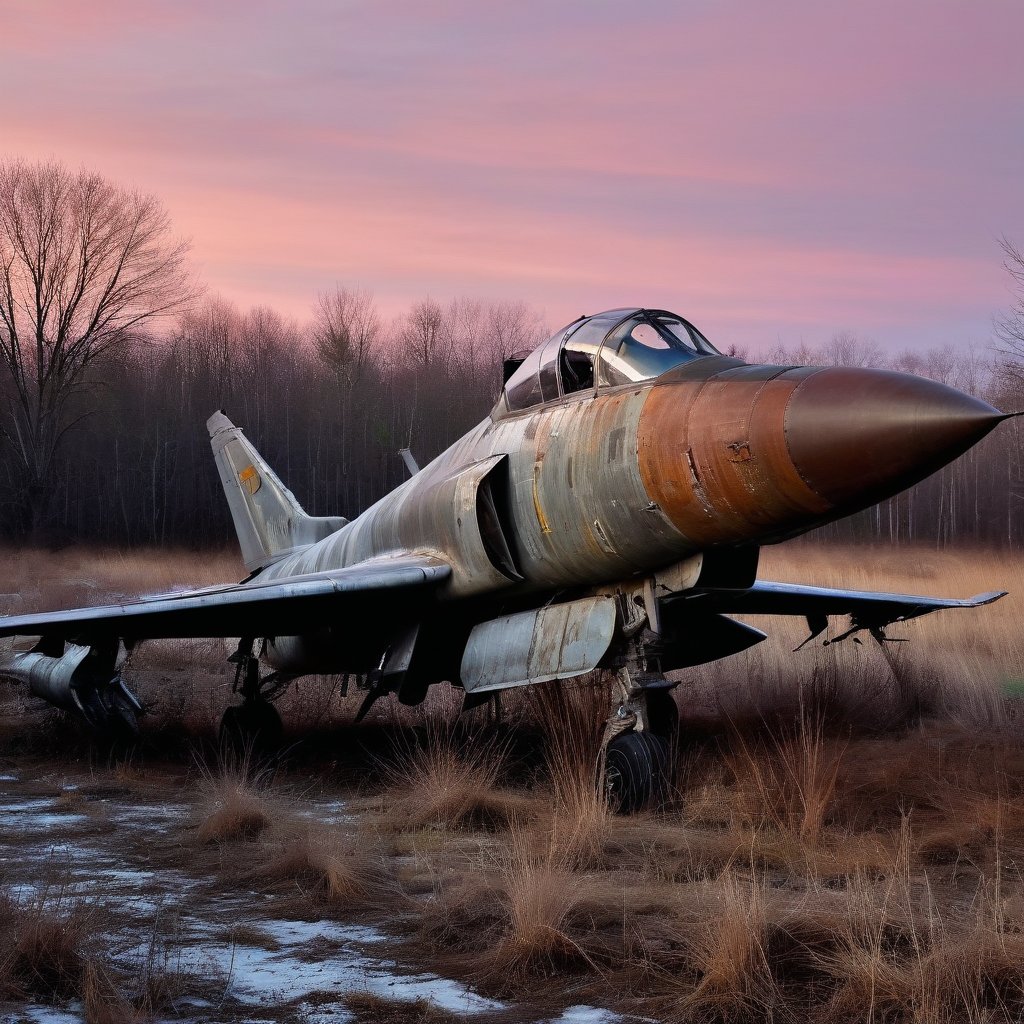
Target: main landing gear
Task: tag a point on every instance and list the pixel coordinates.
(639, 744)
(252, 729)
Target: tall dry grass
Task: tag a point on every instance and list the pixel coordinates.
(51, 950)
(331, 865)
(571, 717)
(787, 778)
(447, 776)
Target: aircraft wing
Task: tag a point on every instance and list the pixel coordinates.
(276, 607)
(768, 598)
(867, 609)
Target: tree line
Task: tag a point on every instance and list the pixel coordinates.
(113, 359)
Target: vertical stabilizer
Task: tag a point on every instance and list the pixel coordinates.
(268, 520)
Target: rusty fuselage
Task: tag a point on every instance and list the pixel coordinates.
(609, 484)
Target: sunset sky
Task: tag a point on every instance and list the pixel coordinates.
(773, 171)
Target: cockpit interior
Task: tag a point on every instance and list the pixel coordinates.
(607, 350)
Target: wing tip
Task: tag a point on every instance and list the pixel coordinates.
(989, 597)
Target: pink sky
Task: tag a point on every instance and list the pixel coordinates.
(773, 171)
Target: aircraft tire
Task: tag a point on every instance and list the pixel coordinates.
(251, 730)
(635, 771)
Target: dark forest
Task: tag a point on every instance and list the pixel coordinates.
(136, 466)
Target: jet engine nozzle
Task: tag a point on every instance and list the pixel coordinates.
(857, 435)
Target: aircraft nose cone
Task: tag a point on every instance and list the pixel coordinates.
(857, 435)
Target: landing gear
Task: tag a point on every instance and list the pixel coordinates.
(635, 771)
(252, 729)
(638, 751)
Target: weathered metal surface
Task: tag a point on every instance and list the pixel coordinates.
(47, 677)
(268, 520)
(81, 680)
(893, 427)
(713, 456)
(555, 642)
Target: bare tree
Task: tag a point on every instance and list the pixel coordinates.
(422, 337)
(85, 266)
(346, 328)
(1009, 326)
(846, 349)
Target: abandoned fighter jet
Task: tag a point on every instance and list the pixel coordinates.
(606, 514)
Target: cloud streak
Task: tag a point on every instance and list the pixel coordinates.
(779, 170)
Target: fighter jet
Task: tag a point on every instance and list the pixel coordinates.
(607, 514)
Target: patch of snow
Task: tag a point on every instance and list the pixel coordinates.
(34, 1014)
(156, 816)
(328, 1013)
(258, 976)
(8, 778)
(586, 1015)
(292, 933)
(28, 806)
(443, 992)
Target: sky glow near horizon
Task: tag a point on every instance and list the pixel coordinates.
(774, 172)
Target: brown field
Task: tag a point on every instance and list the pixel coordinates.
(845, 841)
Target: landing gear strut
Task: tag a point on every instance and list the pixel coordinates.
(252, 728)
(639, 741)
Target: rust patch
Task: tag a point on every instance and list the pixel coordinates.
(713, 487)
(740, 451)
(545, 527)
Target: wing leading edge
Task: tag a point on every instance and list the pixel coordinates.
(279, 607)
(867, 609)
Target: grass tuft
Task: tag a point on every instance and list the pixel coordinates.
(334, 866)
(234, 805)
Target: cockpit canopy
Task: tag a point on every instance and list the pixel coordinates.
(619, 347)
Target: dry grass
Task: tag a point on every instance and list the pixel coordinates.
(333, 866)
(448, 779)
(537, 898)
(787, 779)
(729, 951)
(44, 950)
(234, 804)
(576, 829)
(49, 952)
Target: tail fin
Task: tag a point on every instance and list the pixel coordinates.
(268, 520)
